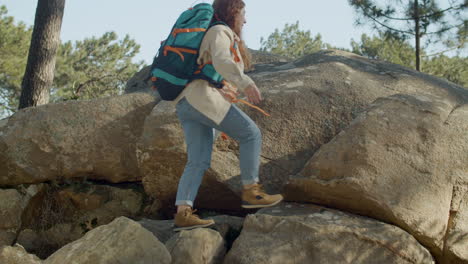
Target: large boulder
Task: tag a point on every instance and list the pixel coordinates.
(13, 202)
(11, 208)
(17, 255)
(313, 98)
(198, 246)
(120, 242)
(398, 162)
(94, 139)
(7, 238)
(260, 58)
(312, 234)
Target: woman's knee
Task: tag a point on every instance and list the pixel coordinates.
(254, 133)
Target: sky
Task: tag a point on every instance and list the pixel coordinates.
(149, 21)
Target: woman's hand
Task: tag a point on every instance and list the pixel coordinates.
(253, 94)
(229, 92)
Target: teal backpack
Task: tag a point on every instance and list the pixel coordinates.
(175, 64)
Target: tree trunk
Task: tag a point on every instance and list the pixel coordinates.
(417, 35)
(45, 41)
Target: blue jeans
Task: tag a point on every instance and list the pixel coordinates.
(199, 137)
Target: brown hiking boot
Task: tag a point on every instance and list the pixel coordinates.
(186, 220)
(255, 197)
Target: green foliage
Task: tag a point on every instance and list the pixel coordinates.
(454, 69)
(94, 67)
(461, 37)
(14, 44)
(385, 47)
(396, 50)
(292, 42)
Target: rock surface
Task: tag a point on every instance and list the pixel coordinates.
(93, 138)
(397, 162)
(17, 255)
(311, 234)
(120, 242)
(198, 246)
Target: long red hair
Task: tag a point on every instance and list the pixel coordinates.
(227, 11)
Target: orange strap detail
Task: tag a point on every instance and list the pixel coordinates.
(224, 136)
(200, 67)
(224, 82)
(179, 51)
(153, 79)
(186, 30)
(203, 65)
(234, 51)
(233, 98)
(251, 105)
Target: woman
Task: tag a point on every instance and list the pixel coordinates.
(202, 108)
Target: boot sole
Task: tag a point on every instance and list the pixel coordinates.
(251, 206)
(191, 227)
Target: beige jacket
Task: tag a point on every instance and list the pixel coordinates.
(215, 47)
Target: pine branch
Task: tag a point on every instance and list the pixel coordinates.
(388, 27)
(366, 14)
(425, 16)
(443, 30)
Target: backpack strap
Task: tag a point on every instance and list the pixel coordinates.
(233, 47)
(176, 31)
(234, 51)
(207, 72)
(179, 51)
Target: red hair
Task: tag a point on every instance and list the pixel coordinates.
(227, 11)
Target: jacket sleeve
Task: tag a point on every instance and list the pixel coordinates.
(220, 41)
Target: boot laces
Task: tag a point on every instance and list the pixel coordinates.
(258, 188)
(190, 212)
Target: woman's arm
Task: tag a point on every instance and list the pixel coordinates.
(220, 40)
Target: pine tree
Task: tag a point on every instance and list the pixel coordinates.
(421, 19)
(45, 42)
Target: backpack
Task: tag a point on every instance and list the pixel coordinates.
(175, 64)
